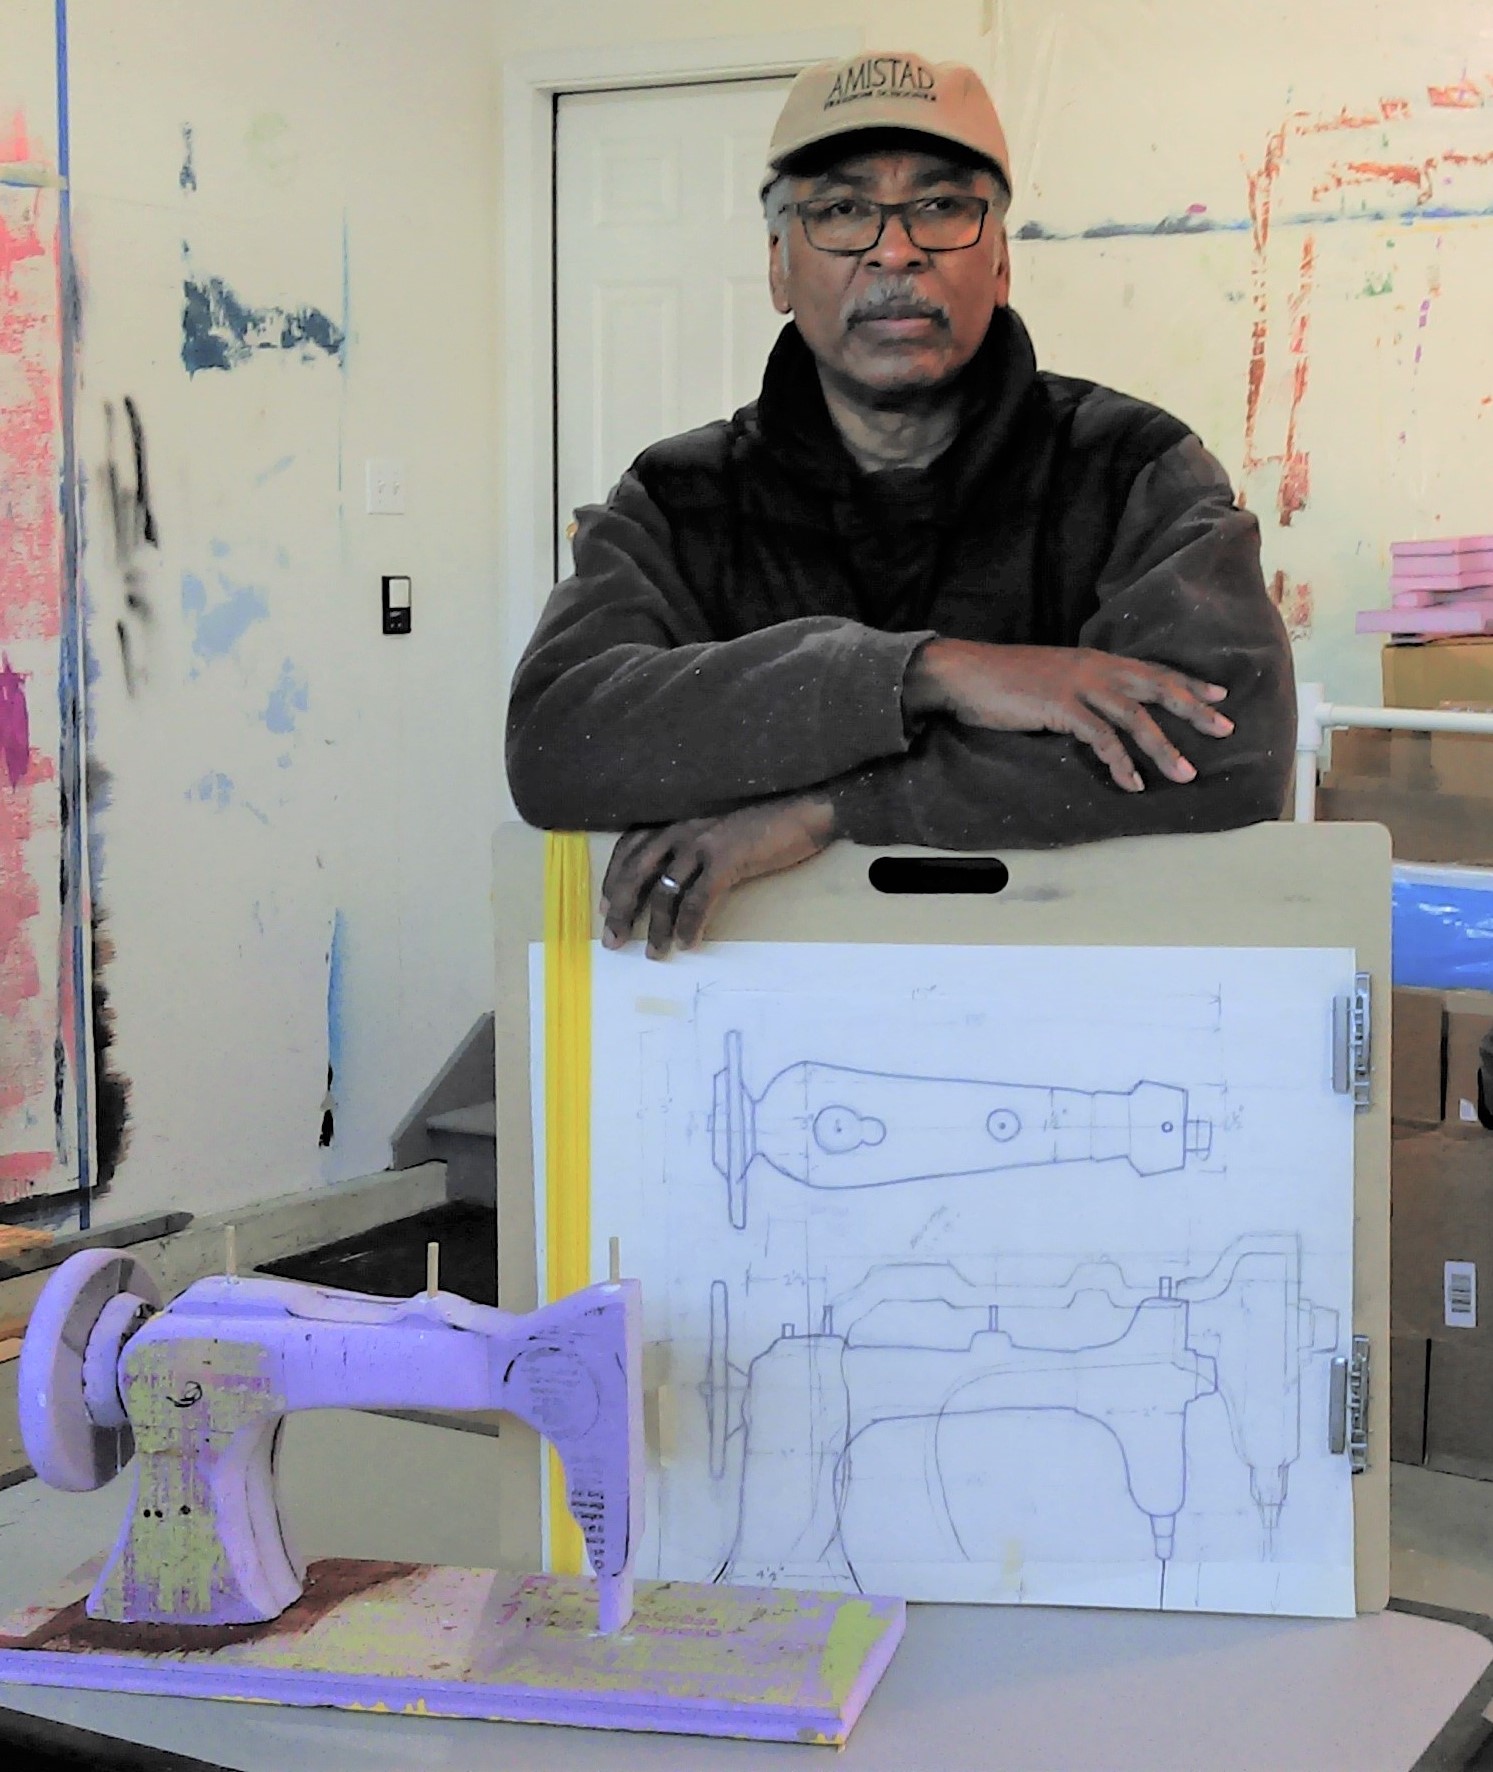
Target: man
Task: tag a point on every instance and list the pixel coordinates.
(918, 592)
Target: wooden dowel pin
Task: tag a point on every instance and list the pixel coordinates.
(230, 1251)
(432, 1269)
(614, 1259)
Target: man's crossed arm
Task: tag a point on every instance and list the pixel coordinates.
(733, 759)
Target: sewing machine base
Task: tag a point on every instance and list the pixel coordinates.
(761, 1663)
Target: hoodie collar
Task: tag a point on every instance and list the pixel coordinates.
(999, 385)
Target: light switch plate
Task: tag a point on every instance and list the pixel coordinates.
(385, 487)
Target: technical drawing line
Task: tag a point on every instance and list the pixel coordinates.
(1138, 1362)
(832, 1126)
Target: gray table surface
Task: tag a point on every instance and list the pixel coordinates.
(972, 1689)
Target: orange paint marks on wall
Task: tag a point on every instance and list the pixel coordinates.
(1294, 601)
(1346, 119)
(1295, 474)
(1396, 173)
(1464, 96)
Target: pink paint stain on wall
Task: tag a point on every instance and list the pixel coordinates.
(30, 605)
(30, 613)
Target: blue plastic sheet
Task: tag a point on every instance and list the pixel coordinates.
(1443, 928)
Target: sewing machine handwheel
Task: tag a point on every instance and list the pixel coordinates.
(73, 1426)
(732, 1130)
(718, 1377)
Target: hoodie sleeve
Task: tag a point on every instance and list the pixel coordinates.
(625, 710)
(1182, 587)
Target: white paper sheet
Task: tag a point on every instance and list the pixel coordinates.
(986, 1274)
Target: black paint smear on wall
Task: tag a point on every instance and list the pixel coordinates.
(133, 519)
(111, 1090)
(219, 331)
(328, 1114)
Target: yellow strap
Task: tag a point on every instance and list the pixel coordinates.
(567, 1117)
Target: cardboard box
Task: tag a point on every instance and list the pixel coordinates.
(1359, 753)
(1469, 1015)
(1422, 826)
(1409, 1364)
(1416, 1066)
(1441, 1210)
(1462, 763)
(1459, 1410)
(1438, 673)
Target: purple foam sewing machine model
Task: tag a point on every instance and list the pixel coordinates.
(202, 1595)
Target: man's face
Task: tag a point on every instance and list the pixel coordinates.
(895, 320)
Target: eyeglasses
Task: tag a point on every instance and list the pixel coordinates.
(849, 226)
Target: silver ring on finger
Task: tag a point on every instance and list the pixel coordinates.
(667, 883)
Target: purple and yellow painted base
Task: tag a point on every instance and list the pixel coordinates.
(767, 1664)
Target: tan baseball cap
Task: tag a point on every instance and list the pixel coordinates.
(888, 89)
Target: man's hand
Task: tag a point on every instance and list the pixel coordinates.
(681, 872)
(1094, 696)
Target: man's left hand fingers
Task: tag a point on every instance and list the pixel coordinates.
(697, 905)
(665, 903)
(637, 861)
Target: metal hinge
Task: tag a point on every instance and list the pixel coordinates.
(1348, 1406)
(1352, 1042)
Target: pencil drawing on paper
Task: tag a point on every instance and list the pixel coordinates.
(990, 1275)
(831, 1126)
(918, 1342)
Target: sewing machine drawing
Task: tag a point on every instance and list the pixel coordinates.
(203, 1594)
(829, 1126)
(918, 1342)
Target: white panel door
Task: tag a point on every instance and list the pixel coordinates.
(662, 315)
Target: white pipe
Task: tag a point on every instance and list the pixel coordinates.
(1316, 717)
(1405, 719)
(1308, 748)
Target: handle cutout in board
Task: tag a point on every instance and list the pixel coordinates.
(931, 875)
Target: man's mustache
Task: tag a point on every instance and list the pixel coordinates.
(892, 301)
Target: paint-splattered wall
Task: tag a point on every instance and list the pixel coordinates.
(1274, 219)
(1277, 221)
(281, 217)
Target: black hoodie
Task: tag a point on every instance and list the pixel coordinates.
(745, 605)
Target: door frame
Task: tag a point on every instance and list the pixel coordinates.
(532, 86)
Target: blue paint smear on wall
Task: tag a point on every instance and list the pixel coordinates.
(220, 792)
(187, 177)
(219, 331)
(1170, 225)
(213, 789)
(278, 467)
(219, 624)
(289, 697)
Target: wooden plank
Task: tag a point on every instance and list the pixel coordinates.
(1275, 885)
(759, 1663)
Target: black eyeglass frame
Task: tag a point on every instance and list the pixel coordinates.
(887, 211)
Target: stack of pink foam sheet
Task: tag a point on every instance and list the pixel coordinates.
(1437, 587)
